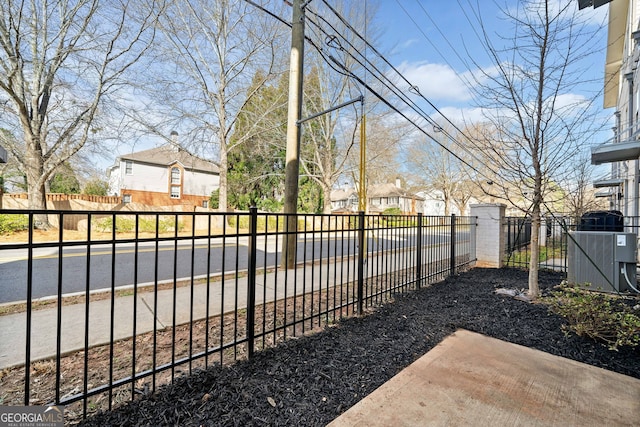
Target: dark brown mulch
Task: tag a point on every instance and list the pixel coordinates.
(311, 380)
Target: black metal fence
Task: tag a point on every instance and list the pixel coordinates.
(553, 240)
(127, 301)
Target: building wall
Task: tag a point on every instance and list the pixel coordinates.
(628, 84)
(145, 178)
(154, 198)
(200, 183)
(151, 185)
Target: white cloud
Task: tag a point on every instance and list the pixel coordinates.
(462, 116)
(435, 81)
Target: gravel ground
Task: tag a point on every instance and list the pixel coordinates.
(311, 380)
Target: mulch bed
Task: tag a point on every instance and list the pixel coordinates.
(312, 380)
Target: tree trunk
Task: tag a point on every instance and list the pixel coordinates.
(222, 204)
(446, 199)
(534, 288)
(37, 195)
(326, 198)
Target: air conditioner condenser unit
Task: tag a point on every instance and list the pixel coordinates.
(603, 260)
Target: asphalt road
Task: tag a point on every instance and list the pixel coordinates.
(150, 263)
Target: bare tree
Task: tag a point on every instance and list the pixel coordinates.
(329, 138)
(60, 63)
(385, 135)
(210, 53)
(440, 164)
(581, 196)
(529, 97)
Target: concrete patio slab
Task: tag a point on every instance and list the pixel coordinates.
(473, 380)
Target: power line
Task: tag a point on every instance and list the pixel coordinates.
(403, 97)
(393, 88)
(379, 76)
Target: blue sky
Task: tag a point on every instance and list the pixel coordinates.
(424, 39)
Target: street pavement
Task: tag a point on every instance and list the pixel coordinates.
(190, 302)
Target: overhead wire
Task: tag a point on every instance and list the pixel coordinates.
(404, 98)
(381, 77)
(392, 86)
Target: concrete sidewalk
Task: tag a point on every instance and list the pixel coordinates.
(473, 380)
(44, 330)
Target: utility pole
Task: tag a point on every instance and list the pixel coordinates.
(362, 193)
(292, 167)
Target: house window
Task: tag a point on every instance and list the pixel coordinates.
(205, 204)
(126, 198)
(175, 176)
(394, 200)
(128, 167)
(175, 191)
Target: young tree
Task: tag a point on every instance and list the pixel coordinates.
(529, 97)
(60, 63)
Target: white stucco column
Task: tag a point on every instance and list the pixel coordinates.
(490, 239)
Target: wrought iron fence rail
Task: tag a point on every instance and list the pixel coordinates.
(217, 309)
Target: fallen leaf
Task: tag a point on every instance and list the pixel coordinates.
(271, 401)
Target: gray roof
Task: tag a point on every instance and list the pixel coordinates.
(388, 190)
(376, 190)
(167, 155)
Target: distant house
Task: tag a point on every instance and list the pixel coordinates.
(344, 200)
(163, 176)
(434, 204)
(379, 198)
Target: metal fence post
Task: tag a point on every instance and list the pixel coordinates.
(29, 308)
(452, 267)
(419, 254)
(361, 255)
(251, 279)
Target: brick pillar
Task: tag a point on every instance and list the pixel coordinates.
(490, 238)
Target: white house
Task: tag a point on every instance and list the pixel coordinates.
(163, 176)
(434, 204)
(379, 198)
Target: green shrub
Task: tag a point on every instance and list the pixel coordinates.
(602, 317)
(392, 211)
(10, 223)
(127, 224)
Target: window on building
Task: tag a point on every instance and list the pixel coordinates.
(128, 167)
(175, 176)
(394, 200)
(126, 198)
(175, 191)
